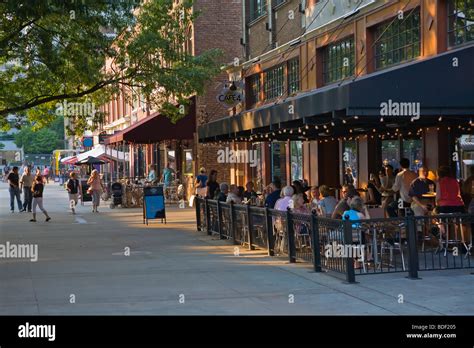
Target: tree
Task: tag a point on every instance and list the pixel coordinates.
(43, 140)
(2, 145)
(53, 51)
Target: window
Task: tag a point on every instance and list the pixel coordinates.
(394, 150)
(391, 153)
(349, 158)
(412, 149)
(278, 2)
(257, 8)
(397, 41)
(293, 76)
(188, 162)
(296, 160)
(460, 21)
(257, 171)
(254, 89)
(274, 83)
(338, 60)
(279, 161)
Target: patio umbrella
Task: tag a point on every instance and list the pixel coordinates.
(90, 160)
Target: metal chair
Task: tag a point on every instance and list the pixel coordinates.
(391, 243)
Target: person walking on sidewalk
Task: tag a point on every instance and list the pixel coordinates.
(96, 188)
(26, 183)
(73, 188)
(46, 174)
(14, 181)
(37, 190)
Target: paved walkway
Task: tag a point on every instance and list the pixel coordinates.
(172, 269)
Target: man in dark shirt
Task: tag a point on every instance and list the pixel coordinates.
(419, 187)
(249, 192)
(275, 195)
(14, 181)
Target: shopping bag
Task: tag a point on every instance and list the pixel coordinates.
(191, 201)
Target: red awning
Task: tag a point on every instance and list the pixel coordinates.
(156, 128)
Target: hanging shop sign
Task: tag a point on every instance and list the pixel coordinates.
(231, 94)
(88, 141)
(102, 137)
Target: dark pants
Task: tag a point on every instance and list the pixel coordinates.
(15, 193)
(27, 198)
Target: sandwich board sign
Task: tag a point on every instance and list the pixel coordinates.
(153, 204)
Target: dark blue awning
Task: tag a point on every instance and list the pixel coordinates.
(442, 85)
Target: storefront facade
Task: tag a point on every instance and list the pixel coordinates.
(377, 83)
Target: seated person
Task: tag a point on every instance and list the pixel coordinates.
(274, 195)
(284, 202)
(327, 202)
(357, 211)
(249, 191)
(374, 196)
(348, 192)
(224, 190)
(233, 195)
(418, 188)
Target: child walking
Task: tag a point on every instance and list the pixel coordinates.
(73, 188)
(37, 190)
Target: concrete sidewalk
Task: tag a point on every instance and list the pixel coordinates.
(172, 269)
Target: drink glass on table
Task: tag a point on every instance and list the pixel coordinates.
(431, 188)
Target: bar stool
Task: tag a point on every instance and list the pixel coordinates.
(444, 244)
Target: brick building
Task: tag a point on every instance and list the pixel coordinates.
(355, 84)
(151, 139)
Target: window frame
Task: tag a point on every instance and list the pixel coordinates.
(398, 32)
(452, 13)
(340, 52)
(276, 82)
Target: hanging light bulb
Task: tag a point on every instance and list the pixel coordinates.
(356, 117)
(307, 127)
(440, 118)
(381, 119)
(316, 127)
(324, 126)
(333, 124)
(344, 121)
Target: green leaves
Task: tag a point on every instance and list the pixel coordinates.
(44, 140)
(94, 49)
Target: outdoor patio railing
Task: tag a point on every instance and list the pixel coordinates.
(351, 248)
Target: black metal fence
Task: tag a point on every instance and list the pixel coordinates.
(350, 248)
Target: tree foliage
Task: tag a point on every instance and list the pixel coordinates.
(86, 51)
(36, 140)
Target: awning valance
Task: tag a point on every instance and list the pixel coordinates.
(156, 128)
(442, 85)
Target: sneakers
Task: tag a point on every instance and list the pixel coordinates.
(33, 220)
(47, 219)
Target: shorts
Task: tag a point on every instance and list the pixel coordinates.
(73, 197)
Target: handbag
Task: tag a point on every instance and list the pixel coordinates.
(191, 201)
